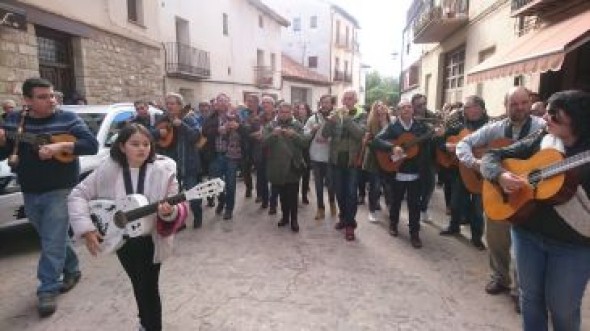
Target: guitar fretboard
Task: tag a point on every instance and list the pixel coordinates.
(564, 165)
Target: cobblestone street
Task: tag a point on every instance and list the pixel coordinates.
(254, 276)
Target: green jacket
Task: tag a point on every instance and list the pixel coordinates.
(285, 153)
(346, 130)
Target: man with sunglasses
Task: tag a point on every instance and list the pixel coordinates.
(518, 124)
(553, 245)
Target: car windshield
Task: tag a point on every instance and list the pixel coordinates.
(93, 121)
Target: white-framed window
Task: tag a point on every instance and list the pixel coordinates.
(135, 11)
(313, 22)
(312, 62)
(297, 24)
(225, 24)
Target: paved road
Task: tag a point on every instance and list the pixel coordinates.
(254, 276)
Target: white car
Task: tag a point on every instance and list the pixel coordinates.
(104, 121)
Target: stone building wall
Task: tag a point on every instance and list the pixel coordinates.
(18, 61)
(110, 68)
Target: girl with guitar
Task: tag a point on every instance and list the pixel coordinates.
(133, 167)
(553, 244)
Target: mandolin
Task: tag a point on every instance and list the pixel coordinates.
(549, 180)
(45, 139)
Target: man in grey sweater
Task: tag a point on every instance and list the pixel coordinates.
(518, 124)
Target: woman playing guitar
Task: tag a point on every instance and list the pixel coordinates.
(553, 245)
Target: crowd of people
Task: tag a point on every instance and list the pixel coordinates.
(348, 149)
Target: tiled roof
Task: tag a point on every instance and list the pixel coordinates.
(294, 70)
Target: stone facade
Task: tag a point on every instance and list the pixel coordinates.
(18, 61)
(110, 68)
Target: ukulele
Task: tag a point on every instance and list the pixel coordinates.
(41, 139)
(116, 221)
(548, 181)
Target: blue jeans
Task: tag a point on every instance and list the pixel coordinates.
(48, 212)
(322, 175)
(187, 183)
(346, 185)
(226, 169)
(374, 179)
(553, 276)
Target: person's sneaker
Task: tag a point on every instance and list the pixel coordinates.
(424, 217)
(449, 232)
(47, 304)
(495, 287)
(69, 282)
(272, 210)
(333, 209)
(373, 217)
(349, 233)
(227, 215)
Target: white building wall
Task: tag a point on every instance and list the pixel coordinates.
(233, 57)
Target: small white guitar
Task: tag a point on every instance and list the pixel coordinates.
(116, 221)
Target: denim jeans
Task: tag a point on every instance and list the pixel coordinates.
(346, 185)
(322, 175)
(374, 179)
(48, 212)
(465, 205)
(427, 182)
(187, 183)
(553, 276)
(262, 184)
(226, 169)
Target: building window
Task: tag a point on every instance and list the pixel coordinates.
(313, 22)
(454, 75)
(260, 21)
(347, 36)
(296, 24)
(273, 62)
(312, 61)
(135, 11)
(225, 25)
(337, 32)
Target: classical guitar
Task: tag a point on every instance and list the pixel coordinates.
(472, 177)
(548, 181)
(446, 159)
(41, 139)
(118, 220)
(409, 143)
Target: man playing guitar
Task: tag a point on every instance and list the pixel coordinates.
(518, 124)
(553, 245)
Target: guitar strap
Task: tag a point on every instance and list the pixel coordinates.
(140, 179)
(523, 132)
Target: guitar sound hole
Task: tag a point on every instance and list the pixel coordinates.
(534, 177)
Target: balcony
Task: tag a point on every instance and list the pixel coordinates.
(183, 61)
(342, 76)
(540, 7)
(263, 76)
(438, 21)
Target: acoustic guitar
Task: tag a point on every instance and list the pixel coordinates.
(409, 143)
(116, 221)
(548, 181)
(446, 159)
(472, 178)
(41, 139)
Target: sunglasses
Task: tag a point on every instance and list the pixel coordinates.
(554, 117)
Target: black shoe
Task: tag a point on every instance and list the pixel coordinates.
(339, 226)
(272, 211)
(283, 222)
(219, 209)
(210, 202)
(258, 200)
(377, 206)
(227, 215)
(477, 243)
(494, 287)
(415, 241)
(393, 230)
(248, 193)
(47, 304)
(304, 200)
(294, 226)
(197, 224)
(264, 205)
(449, 232)
(69, 282)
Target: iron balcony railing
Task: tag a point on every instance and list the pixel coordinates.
(187, 61)
(441, 9)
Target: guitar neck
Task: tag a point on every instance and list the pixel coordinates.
(140, 212)
(418, 140)
(22, 137)
(565, 165)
